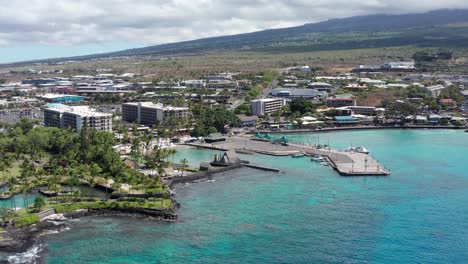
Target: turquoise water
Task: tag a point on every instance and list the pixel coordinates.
(306, 214)
(194, 155)
(20, 200)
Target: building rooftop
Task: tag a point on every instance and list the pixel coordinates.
(54, 96)
(82, 110)
(265, 100)
(297, 92)
(156, 106)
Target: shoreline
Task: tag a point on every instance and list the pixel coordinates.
(332, 129)
(20, 240)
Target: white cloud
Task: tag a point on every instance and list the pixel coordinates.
(72, 22)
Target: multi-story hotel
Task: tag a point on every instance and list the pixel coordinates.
(266, 106)
(74, 117)
(150, 114)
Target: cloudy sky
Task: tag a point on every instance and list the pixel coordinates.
(32, 29)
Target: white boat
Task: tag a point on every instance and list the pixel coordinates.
(324, 163)
(300, 155)
(317, 158)
(359, 150)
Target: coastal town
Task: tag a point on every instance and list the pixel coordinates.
(104, 143)
(280, 132)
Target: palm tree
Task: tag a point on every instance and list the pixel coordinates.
(12, 191)
(147, 140)
(25, 189)
(172, 152)
(184, 162)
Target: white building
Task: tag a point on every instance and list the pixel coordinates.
(400, 65)
(149, 114)
(435, 90)
(74, 117)
(194, 83)
(372, 82)
(266, 106)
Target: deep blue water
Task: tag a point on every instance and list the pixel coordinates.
(306, 214)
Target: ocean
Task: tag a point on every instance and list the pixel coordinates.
(307, 213)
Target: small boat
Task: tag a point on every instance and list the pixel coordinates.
(299, 155)
(324, 163)
(317, 158)
(359, 150)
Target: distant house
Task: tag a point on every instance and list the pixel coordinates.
(399, 66)
(420, 120)
(321, 86)
(434, 119)
(434, 90)
(372, 82)
(448, 102)
(355, 87)
(341, 100)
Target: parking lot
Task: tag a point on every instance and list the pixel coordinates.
(14, 115)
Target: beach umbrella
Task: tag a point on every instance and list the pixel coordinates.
(258, 135)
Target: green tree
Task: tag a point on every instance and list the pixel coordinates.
(39, 203)
(184, 163)
(301, 105)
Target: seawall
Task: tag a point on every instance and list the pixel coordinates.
(331, 129)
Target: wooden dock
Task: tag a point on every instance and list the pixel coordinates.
(346, 163)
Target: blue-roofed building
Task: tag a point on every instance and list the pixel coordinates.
(62, 98)
(346, 120)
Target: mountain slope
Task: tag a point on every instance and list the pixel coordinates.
(444, 28)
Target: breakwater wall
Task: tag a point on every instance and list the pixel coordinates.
(331, 129)
(168, 215)
(263, 168)
(200, 175)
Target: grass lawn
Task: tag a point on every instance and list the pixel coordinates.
(156, 204)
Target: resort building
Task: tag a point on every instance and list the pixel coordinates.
(149, 114)
(365, 110)
(74, 117)
(266, 106)
(346, 121)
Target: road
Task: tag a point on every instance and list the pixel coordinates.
(265, 93)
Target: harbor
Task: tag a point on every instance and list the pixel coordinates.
(345, 162)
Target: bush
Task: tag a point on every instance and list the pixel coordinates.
(39, 203)
(26, 220)
(139, 203)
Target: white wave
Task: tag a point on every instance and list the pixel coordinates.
(28, 257)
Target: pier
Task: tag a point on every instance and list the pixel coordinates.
(346, 163)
